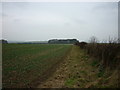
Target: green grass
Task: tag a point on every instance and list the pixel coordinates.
(23, 63)
(100, 74)
(70, 82)
(95, 63)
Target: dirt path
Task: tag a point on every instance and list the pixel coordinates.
(76, 71)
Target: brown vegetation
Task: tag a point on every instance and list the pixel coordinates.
(107, 56)
(107, 53)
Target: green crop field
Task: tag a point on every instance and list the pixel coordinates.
(23, 64)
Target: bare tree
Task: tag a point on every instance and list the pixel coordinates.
(93, 39)
(113, 40)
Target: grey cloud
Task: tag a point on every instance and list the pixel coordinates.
(67, 24)
(1, 14)
(4, 15)
(105, 6)
(20, 5)
(79, 21)
(64, 20)
(16, 20)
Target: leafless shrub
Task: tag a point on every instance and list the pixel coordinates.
(113, 40)
(81, 44)
(93, 39)
(107, 53)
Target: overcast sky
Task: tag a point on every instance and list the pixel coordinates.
(24, 21)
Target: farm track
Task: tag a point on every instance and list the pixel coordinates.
(74, 72)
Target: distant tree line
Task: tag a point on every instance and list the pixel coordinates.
(63, 41)
(52, 41)
(3, 41)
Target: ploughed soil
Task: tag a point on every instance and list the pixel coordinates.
(79, 70)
